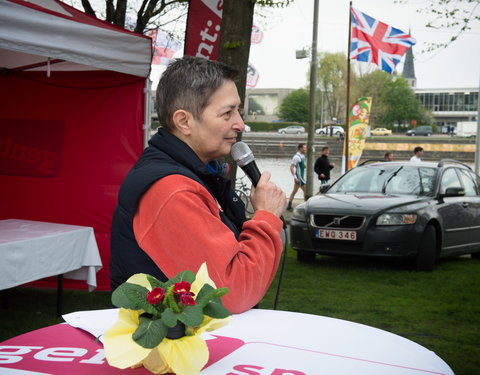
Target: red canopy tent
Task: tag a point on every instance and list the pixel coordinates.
(73, 100)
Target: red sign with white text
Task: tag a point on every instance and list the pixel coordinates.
(62, 349)
(204, 21)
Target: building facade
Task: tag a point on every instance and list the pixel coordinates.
(450, 106)
(264, 104)
(447, 105)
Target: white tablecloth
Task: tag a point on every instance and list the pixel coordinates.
(299, 344)
(32, 250)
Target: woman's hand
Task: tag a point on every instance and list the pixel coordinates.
(268, 196)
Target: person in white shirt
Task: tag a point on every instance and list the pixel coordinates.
(297, 169)
(418, 151)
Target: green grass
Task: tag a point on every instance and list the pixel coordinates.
(438, 310)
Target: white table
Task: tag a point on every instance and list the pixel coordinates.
(270, 342)
(32, 250)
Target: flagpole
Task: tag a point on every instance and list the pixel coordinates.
(347, 104)
(312, 106)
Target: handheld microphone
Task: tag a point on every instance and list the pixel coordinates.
(244, 158)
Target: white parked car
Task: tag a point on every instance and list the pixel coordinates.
(337, 130)
(247, 129)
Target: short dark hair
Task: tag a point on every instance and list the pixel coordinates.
(188, 83)
(300, 145)
(417, 149)
(324, 148)
(388, 153)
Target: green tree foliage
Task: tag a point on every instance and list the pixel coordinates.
(401, 104)
(393, 100)
(295, 106)
(331, 83)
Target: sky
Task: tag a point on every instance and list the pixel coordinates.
(290, 29)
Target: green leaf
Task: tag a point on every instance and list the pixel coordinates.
(150, 332)
(169, 317)
(133, 297)
(215, 309)
(129, 296)
(208, 294)
(188, 276)
(191, 316)
(170, 300)
(155, 283)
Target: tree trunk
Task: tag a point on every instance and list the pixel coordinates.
(237, 20)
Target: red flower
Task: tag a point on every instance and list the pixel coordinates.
(155, 296)
(181, 287)
(187, 299)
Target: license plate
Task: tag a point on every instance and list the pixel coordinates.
(331, 234)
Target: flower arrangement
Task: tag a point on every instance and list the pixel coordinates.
(159, 323)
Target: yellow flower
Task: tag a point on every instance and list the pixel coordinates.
(184, 356)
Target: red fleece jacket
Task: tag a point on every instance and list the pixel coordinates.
(178, 225)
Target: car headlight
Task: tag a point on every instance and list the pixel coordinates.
(299, 213)
(396, 219)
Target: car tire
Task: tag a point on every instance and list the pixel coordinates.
(427, 251)
(305, 256)
(282, 132)
(338, 133)
(429, 134)
(299, 132)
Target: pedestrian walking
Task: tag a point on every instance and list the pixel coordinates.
(323, 166)
(297, 169)
(388, 156)
(418, 153)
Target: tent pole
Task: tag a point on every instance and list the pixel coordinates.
(147, 116)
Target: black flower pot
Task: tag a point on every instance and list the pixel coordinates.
(176, 332)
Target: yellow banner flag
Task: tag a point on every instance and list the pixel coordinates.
(357, 130)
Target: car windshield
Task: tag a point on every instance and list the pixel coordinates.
(387, 179)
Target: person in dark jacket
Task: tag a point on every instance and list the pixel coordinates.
(176, 210)
(323, 166)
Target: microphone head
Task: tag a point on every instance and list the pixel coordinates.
(242, 154)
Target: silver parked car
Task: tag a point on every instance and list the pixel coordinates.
(292, 129)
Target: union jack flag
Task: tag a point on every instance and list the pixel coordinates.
(376, 42)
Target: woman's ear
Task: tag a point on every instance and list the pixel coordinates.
(181, 120)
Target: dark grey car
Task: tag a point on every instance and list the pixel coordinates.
(420, 211)
(420, 130)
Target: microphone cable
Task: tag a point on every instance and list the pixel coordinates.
(282, 265)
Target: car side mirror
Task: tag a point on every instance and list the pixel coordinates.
(454, 192)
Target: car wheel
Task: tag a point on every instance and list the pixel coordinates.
(282, 132)
(305, 256)
(338, 133)
(299, 132)
(429, 134)
(427, 250)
